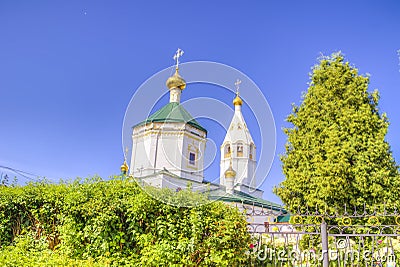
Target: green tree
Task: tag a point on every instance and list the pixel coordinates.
(336, 152)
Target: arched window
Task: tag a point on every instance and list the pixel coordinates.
(227, 151)
(192, 158)
(240, 149)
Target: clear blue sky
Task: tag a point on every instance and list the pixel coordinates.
(68, 69)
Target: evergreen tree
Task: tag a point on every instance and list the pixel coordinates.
(336, 152)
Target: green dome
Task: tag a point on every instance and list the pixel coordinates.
(173, 112)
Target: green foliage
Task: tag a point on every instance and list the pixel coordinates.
(114, 223)
(336, 152)
(28, 251)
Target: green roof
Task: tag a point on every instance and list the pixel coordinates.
(173, 112)
(244, 198)
(240, 197)
(220, 194)
(283, 218)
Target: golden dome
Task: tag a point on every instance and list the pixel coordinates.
(124, 167)
(176, 81)
(237, 101)
(230, 172)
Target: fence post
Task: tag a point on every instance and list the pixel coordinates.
(325, 249)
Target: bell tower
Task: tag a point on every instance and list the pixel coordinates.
(239, 151)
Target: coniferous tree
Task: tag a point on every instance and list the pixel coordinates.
(336, 152)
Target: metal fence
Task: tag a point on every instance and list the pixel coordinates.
(346, 237)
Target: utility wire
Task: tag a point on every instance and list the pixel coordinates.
(21, 173)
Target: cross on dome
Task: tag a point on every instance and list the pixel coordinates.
(126, 152)
(237, 101)
(237, 85)
(177, 55)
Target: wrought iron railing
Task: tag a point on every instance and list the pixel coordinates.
(325, 237)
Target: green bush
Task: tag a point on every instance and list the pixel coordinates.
(112, 223)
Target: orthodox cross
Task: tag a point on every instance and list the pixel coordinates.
(237, 85)
(126, 152)
(177, 55)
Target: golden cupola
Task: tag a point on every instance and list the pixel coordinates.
(230, 172)
(230, 175)
(124, 168)
(237, 101)
(176, 81)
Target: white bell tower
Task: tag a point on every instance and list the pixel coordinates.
(239, 150)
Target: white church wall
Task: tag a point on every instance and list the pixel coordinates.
(196, 145)
(169, 151)
(158, 146)
(153, 180)
(141, 161)
(252, 179)
(257, 215)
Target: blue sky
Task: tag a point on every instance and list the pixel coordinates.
(68, 69)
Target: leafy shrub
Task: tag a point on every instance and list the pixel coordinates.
(112, 223)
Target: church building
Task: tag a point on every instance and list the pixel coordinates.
(168, 151)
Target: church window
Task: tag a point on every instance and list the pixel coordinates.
(251, 151)
(192, 158)
(240, 149)
(227, 151)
